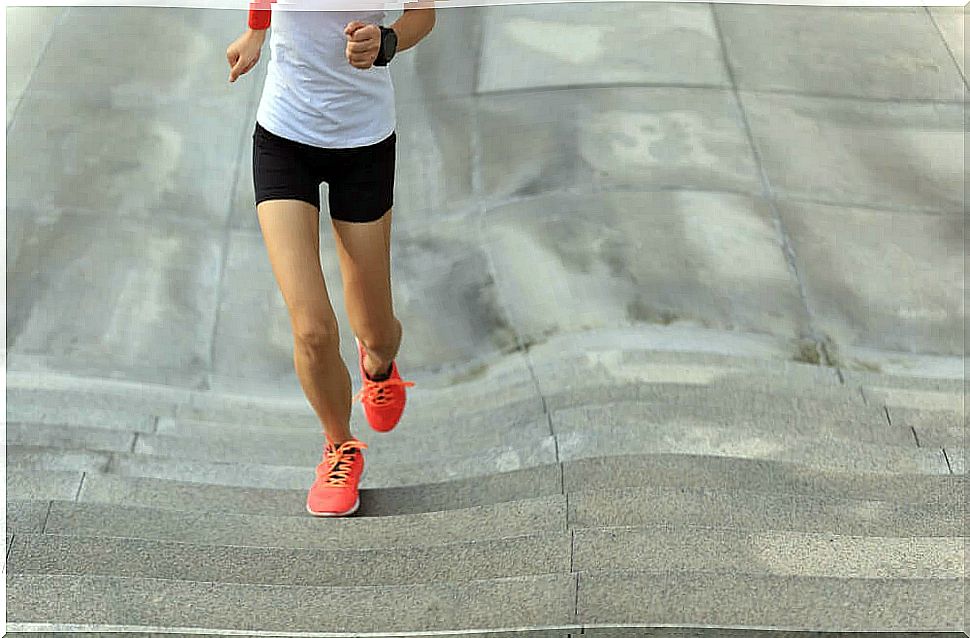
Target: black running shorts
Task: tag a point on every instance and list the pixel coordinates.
(360, 179)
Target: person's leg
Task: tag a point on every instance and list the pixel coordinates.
(364, 252)
(291, 232)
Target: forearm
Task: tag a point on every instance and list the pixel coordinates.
(412, 26)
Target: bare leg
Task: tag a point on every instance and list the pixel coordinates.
(364, 250)
(292, 236)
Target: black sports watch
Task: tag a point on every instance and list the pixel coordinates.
(388, 46)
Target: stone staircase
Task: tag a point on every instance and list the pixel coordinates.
(615, 492)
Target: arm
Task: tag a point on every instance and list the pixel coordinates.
(413, 26)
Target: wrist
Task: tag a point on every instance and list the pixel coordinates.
(256, 33)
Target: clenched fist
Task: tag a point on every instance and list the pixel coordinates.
(363, 43)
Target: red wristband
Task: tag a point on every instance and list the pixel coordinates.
(260, 14)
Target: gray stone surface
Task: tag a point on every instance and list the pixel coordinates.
(619, 138)
(307, 450)
(921, 399)
(758, 475)
(852, 51)
(42, 485)
(738, 600)
(777, 553)
(952, 24)
(65, 393)
(79, 417)
(30, 30)
(61, 460)
(933, 427)
(455, 562)
(760, 512)
(684, 37)
(949, 383)
(530, 600)
(597, 270)
(49, 435)
(633, 416)
(957, 458)
(853, 152)
(502, 520)
(813, 451)
(543, 480)
(26, 516)
(917, 302)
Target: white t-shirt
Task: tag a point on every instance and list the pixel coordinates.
(312, 94)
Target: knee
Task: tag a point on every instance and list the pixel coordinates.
(380, 338)
(316, 334)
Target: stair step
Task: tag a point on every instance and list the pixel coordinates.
(828, 454)
(757, 511)
(641, 597)
(538, 601)
(500, 520)
(783, 602)
(296, 450)
(660, 470)
(933, 427)
(137, 558)
(920, 399)
(780, 553)
(55, 436)
(641, 506)
(628, 414)
(84, 417)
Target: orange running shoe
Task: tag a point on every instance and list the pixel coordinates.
(334, 492)
(383, 400)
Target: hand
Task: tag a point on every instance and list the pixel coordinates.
(243, 54)
(363, 43)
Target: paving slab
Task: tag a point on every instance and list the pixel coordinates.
(616, 138)
(524, 633)
(632, 416)
(778, 553)
(587, 270)
(615, 631)
(838, 51)
(501, 520)
(743, 600)
(684, 38)
(851, 152)
(813, 451)
(934, 428)
(542, 480)
(137, 558)
(27, 36)
(882, 299)
(754, 511)
(26, 516)
(521, 601)
(50, 435)
(758, 475)
(42, 485)
(84, 417)
(957, 458)
(952, 24)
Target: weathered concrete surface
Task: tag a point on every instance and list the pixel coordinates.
(596, 187)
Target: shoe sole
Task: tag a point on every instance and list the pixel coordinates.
(339, 514)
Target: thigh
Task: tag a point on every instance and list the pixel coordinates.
(292, 236)
(364, 251)
(361, 181)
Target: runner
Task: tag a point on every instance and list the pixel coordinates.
(326, 114)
